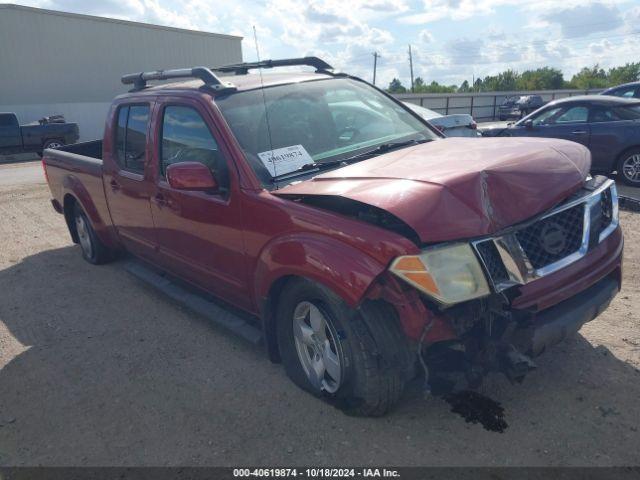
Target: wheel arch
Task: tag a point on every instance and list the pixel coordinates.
(343, 269)
(75, 193)
(68, 206)
(622, 153)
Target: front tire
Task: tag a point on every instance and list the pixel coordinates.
(93, 250)
(629, 167)
(357, 360)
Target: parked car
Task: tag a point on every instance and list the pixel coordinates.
(519, 106)
(608, 126)
(365, 254)
(15, 138)
(456, 125)
(627, 90)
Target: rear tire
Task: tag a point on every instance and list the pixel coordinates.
(358, 360)
(52, 143)
(628, 167)
(93, 250)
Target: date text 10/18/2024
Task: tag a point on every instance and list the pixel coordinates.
(316, 472)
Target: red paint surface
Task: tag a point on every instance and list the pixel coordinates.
(460, 187)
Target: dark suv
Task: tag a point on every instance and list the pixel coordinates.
(519, 107)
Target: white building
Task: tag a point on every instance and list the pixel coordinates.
(62, 63)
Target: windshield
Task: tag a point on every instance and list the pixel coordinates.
(316, 122)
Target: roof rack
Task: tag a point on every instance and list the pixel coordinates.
(139, 80)
(243, 68)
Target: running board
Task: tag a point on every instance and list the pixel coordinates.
(195, 302)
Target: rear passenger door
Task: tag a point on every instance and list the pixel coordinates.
(199, 233)
(613, 129)
(128, 185)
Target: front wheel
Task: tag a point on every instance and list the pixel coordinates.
(93, 250)
(629, 168)
(358, 360)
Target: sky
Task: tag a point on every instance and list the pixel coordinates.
(451, 40)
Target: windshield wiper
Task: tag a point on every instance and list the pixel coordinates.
(316, 166)
(382, 148)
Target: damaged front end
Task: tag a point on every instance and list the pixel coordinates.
(481, 310)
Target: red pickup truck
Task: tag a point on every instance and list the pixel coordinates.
(366, 247)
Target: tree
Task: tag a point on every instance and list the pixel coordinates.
(541, 79)
(629, 72)
(504, 81)
(418, 85)
(395, 86)
(464, 87)
(594, 77)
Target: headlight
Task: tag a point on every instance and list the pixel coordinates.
(450, 274)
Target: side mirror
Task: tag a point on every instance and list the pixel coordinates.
(528, 124)
(192, 176)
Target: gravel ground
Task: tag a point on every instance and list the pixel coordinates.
(98, 369)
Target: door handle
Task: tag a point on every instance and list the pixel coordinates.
(115, 186)
(579, 132)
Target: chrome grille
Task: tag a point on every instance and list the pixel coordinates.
(554, 237)
(555, 240)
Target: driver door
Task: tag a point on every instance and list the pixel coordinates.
(199, 233)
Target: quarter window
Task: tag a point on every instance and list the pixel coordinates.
(131, 137)
(187, 138)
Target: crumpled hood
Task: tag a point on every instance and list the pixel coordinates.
(460, 187)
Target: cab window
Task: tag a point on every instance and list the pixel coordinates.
(131, 137)
(186, 138)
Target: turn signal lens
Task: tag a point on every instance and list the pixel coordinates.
(450, 274)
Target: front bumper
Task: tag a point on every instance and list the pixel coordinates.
(554, 324)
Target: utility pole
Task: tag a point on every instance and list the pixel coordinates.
(376, 55)
(411, 67)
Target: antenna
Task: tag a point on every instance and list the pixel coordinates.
(264, 101)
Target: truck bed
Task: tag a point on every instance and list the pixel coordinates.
(76, 170)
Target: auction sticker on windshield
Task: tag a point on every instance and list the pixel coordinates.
(285, 160)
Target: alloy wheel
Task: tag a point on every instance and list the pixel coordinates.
(318, 348)
(84, 237)
(631, 168)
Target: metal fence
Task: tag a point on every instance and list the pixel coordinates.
(483, 106)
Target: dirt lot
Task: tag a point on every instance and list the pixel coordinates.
(97, 369)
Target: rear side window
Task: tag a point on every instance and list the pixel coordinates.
(131, 137)
(187, 138)
(8, 121)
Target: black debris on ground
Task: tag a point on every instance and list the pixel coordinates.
(476, 408)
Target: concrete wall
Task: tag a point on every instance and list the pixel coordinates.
(54, 62)
(482, 106)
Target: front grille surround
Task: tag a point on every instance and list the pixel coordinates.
(521, 255)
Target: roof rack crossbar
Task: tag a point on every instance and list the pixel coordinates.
(139, 80)
(243, 68)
